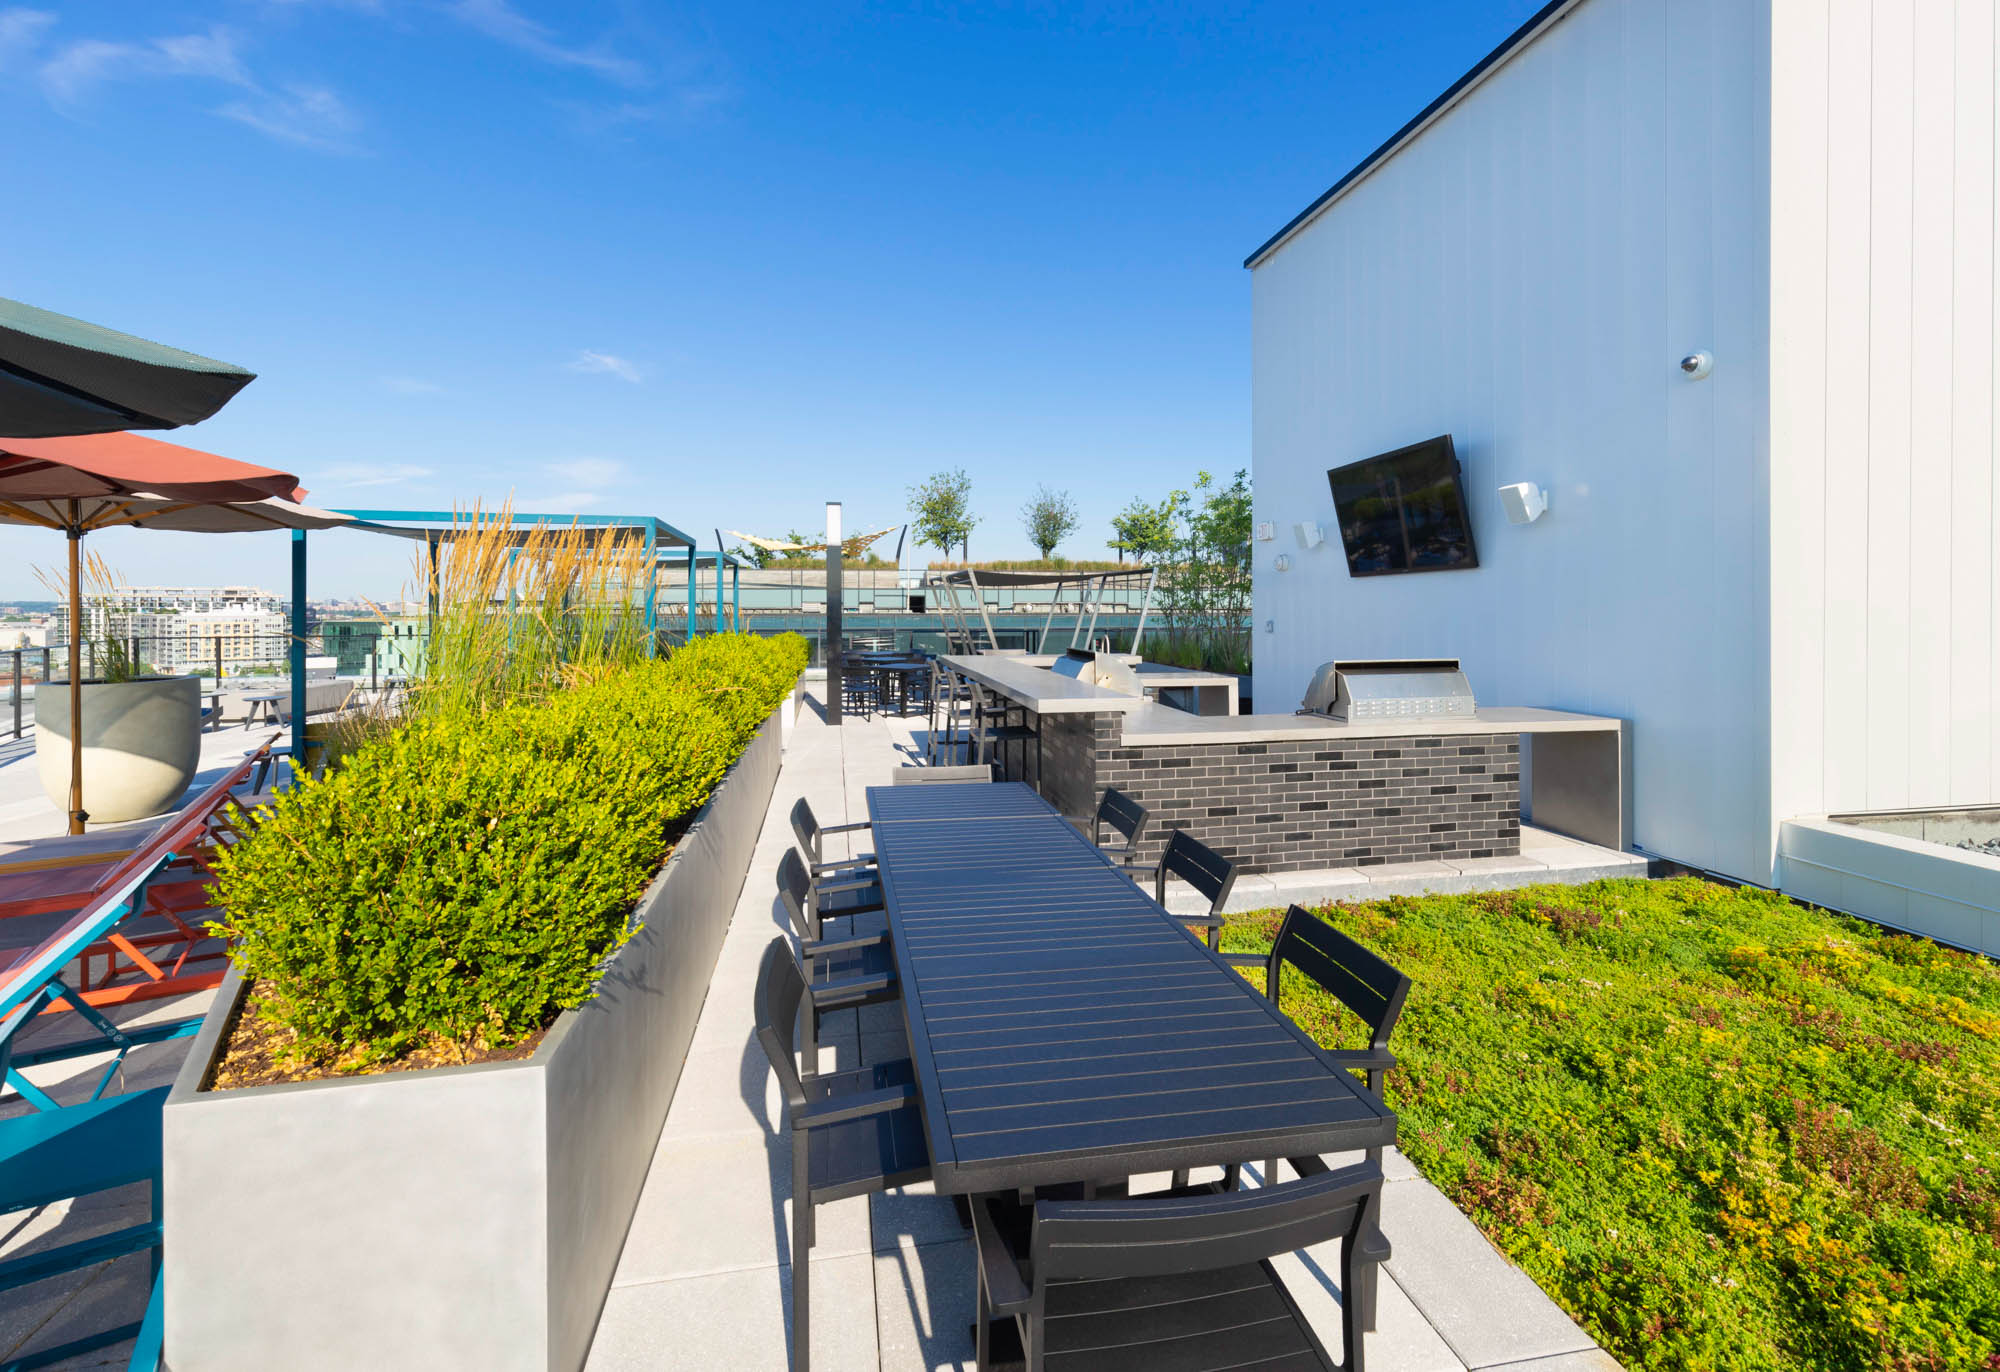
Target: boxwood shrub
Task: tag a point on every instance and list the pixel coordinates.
(460, 881)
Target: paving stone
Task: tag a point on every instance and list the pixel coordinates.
(721, 1203)
(1402, 1340)
(925, 1299)
(739, 1320)
(1486, 1308)
(1591, 1360)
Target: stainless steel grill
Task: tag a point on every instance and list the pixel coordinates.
(1418, 688)
(1095, 669)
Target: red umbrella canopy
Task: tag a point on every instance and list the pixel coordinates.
(96, 480)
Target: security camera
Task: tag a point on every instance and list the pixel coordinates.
(1696, 366)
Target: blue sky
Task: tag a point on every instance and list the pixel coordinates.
(719, 263)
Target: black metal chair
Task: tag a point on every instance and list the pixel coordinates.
(859, 689)
(919, 776)
(842, 973)
(1127, 817)
(1182, 1280)
(811, 834)
(853, 1133)
(1201, 867)
(950, 698)
(1366, 985)
(993, 728)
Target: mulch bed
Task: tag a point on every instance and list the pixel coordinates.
(255, 1053)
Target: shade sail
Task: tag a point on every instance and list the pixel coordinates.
(61, 376)
(99, 480)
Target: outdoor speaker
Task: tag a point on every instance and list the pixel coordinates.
(1524, 502)
(1309, 534)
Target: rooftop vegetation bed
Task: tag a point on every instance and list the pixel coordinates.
(459, 880)
(1721, 1129)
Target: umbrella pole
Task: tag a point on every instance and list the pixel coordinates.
(76, 814)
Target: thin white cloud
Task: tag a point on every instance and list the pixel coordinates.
(21, 32)
(593, 473)
(606, 364)
(310, 116)
(410, 385)
(355, 475)
(499, 20)
(78, 68)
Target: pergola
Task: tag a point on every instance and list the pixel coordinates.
(665, 545)
(1090, 592)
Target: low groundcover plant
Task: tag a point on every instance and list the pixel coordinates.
(1723, 1130)
(458, 882)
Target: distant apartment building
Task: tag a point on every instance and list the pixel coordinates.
(188, 628)
(383, 648)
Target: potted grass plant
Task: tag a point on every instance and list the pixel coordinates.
(141, 728)
(468, 964)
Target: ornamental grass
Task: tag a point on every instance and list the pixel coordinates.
(1721, 1129)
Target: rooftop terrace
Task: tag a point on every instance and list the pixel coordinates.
(703, 1280)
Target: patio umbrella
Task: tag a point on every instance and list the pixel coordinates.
(61, 376)
(104, 481)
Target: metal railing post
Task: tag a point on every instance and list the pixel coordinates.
(17, 693)
(218, 662)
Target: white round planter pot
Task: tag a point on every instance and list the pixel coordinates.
(141, 744)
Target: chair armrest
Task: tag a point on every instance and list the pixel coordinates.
(821, 888)
(1362, 1059)
(865, 862)
(843, 993)
(821, 947)
(860, 1105)
(1246, 959)
(844, 828)
(1004, 1287)
(1205, 921)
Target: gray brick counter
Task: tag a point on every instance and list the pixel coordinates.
(1304, 803)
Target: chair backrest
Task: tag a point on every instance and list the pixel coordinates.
(1155, 1236)
(1358, 979)
(805, 827)
(1199, 865)
(920, 776)
(795, 890)
(1122, 813)
(780, 988)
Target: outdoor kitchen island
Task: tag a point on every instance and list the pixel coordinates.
(1283, 793)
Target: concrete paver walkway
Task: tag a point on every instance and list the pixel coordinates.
(705, 1279)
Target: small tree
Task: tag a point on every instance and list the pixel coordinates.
(1144, 530)
(1049, 518)
(943, 510)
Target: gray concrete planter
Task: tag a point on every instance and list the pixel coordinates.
(461, 1216)
(141, 744)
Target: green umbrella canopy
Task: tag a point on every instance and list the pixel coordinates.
(62, 376)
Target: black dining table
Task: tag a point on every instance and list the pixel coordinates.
(1063, 1027)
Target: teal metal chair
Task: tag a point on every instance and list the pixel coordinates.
(59, 1155)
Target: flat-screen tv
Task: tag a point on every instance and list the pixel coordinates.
(1404, 511)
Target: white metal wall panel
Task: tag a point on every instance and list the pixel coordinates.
(1525, 275)
(1883, 452)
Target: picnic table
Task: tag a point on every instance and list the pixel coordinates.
(1064, 1028)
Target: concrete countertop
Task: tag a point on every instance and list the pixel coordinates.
(1041, 690)
(1159, 726)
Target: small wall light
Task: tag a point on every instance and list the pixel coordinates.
(1283, 562)
(1309, 534)
(1524, 502)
